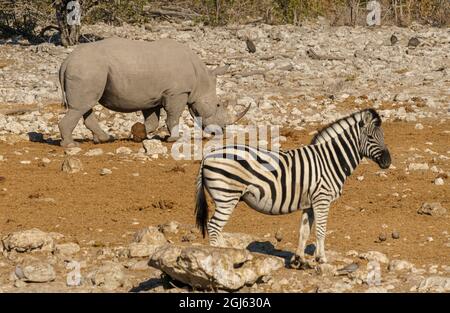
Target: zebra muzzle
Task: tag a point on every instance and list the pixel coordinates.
(385, 159)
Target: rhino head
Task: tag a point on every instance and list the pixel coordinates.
(206, 105)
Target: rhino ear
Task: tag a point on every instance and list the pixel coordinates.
(221, 70)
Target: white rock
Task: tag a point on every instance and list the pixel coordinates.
(418, 166)
(435, 284)
(375, 256)
(439, 181)
(224, 268)
(150, 235)
(72, 151)
(140, 250)
(94, 152)
(154, 147)
(124, 150)
(67, 248)
(432, 208)
(169, 228)
(28, 240)
(105, 171)
(109, 276)
(400, 265)
(418, 126)
(71, 165)
(35, 272)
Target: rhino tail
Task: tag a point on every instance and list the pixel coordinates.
(201, 206)
(62, 72)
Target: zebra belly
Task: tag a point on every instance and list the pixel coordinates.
(253, 198)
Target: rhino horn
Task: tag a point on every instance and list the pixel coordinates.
(241, 115)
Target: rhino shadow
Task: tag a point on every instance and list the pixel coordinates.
(266, 247)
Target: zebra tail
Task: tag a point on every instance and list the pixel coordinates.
(201, 206)
(62, 71)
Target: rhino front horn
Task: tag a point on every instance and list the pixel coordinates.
(241, 115)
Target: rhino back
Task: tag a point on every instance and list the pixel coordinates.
(138, 73)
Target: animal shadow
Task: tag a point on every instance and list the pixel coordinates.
(266, 247)
(148, 285)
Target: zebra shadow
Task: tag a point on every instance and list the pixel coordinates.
(266, 247)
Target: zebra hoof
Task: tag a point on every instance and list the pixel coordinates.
(297, 263)
(321, 259)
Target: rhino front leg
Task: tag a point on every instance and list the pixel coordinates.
(92, 124)
(67, 125)
(174, 106)
(151, 119)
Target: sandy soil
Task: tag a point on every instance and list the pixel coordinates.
(87, 206)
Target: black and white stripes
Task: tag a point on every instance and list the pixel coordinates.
(307, 179)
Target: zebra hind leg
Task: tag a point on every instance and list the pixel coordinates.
(224, 208)
(298, 260)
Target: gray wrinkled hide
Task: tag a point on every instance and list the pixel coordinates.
(128, 76)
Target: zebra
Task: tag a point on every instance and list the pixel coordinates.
(309, 178)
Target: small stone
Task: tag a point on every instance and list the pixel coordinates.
(418, 126)
(382, 237)
(46, 160)
(395, 234)
(28, 240)
(150, 235)
(169, 228)
(105, 171)
(418, 167)
(124, 150)
(94, 152)
(72, 151)
(439, 181)
(25, 162)
(413, 42)
(109, 276)
(188, 237)
(35, 272)
(433, 209)
(399, 265)
(360, 178)
(140, 266)
(348, 269)
(279, 235)
(67, 248)
(138, 132)
(71, 165)
(141, 250)
(375, 256)
(20, 284)
(435, 284)
(154, 147)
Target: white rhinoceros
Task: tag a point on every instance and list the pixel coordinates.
(127, 76)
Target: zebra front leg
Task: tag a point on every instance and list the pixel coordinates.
(298, 259)
(321, 207)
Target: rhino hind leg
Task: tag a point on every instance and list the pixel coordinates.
(151, 120)
(100, 136)
(67, 125)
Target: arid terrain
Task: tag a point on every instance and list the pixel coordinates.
(122, 188)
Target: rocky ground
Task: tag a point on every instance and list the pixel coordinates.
(92, 206)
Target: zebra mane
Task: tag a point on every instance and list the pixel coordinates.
(350, 119)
